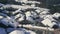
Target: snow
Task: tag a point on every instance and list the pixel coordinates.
(49, 17)
(16, 31)
(16, 16)
(21, 19)
(30, 16)
(56, 15)
(26, 1)
(48, 22)
(38, 10)
(30, 19)
(1, 17)
(16, 6)
(19, 31)
(21, 0)
(17, 11)
(30, 32)
(20, 16)
(32, 2)
(28, 13)
(2, 31)
(44, 12)
(33, 5)
(42, 16)
(33, 13)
